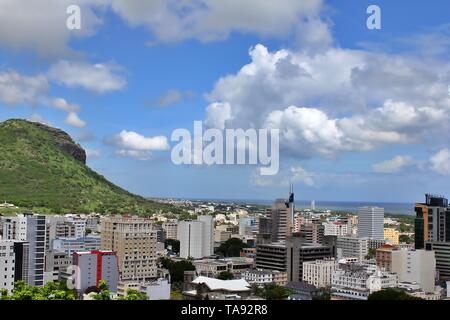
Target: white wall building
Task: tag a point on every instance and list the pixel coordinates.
(352, 247)
(415, 266)
(7, 262)
(319, 273)
(371, 222)
(335, 229)
(196, 237)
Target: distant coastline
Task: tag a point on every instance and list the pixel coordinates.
(389, 207)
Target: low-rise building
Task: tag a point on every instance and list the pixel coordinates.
(71, 245)
(204, 286)
(213, 267)
(391, 236)
(352, 247)
(319, 273)
(263, 277)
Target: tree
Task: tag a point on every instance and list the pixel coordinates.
(391, 294)
(173, 244)
(134, 295)
(371, 254)
(177, 268)
(231, 248)
(225, 275)
(51, 291)
(104, 293)
(405, 238)
(275, 292)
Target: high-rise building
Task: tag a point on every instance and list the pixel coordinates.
(415, 266)
(134, 241)
(55, 263)
(7, 263)
(93, 266)
(432, 221)
(298, 252)
(22, 254)
(196, 237)
(352, 247)
(247, 225)
(371, 222)
(283, 218)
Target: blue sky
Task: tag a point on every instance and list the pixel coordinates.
(367, 120)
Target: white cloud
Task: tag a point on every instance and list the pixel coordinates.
(62, 104)
(130, 140)
(74, 120)
(170, 97)
(440, 162)
(40, 25)
(394, 165)
(209, 20)
(217, 114)
(335, 100)
(100, 78)
(38, 118)
(135, 154)
(295, 174)
(93, 153)
(18, 89)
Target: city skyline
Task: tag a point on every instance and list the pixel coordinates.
(363, 114)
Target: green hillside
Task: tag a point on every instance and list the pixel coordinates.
(43, 169)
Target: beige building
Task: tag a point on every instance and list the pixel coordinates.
(134, 241)
(391, 236)
(171, 229)
(320, 272)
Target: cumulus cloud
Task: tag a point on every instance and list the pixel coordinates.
(74, 120)
(38, 118)
(130, 140)
(93, 153)
(22, 90)
(217, 115)
(135, 154)
(393, 165)
(440, 162)
(40, 25)
(295, 174)
(100, 77)
(207, 20)
(335, 100)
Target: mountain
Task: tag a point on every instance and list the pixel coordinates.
(43, 169)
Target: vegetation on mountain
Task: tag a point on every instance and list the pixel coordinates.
(43, 170)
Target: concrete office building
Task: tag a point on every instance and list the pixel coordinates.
(7, 264)
(352, 247)
(213, 267)
(247, 225)
(22, 254)
(262, 277)
(432, 221)
(335, 229)
(442, 256)
(196, 237)
(171, 229)
(71, 245)
(313, 233)
(55, 263)
(282, 218)
(319, 272)
(371, 222)
(272, 256)
(93, 266)
(134, 241)
(415, 266)
(299, 252)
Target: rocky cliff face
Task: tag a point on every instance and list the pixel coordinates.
(65, 142)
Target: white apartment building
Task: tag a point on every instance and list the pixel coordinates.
(415, 266)
(357, 282)
(71, 245)
(7, 263)
(319, 273)
(371, 222)
(196, 237)
(352, 247)
(263, 277)
(80, 225)
(335, 229)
